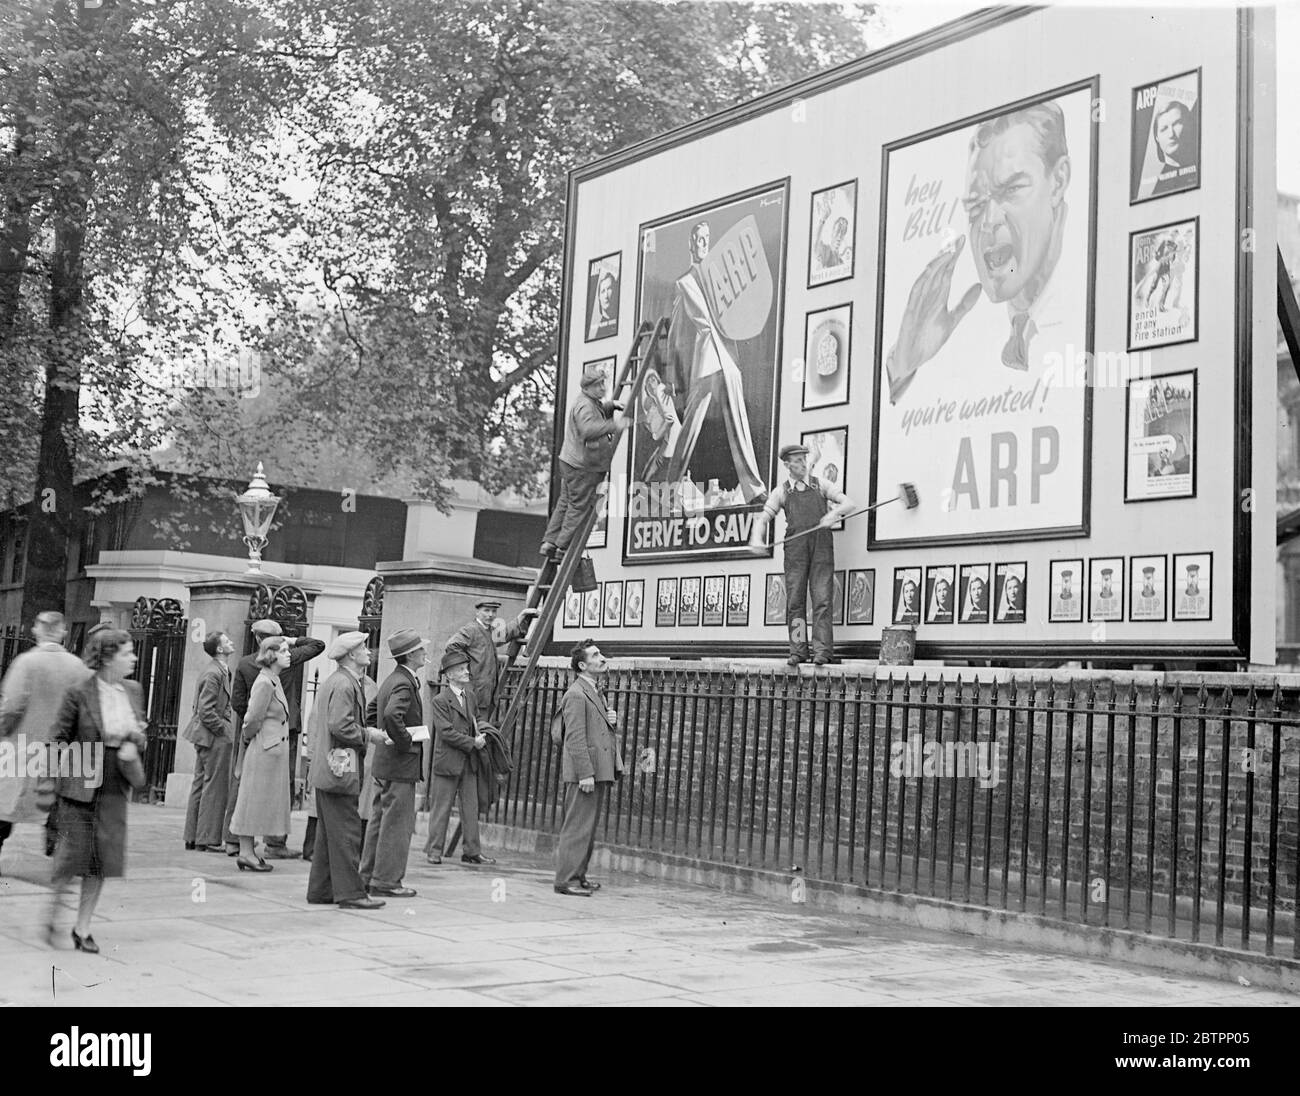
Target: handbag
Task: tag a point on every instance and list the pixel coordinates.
(132, 768)
(584, 578)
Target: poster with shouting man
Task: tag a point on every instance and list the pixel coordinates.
(984, 331)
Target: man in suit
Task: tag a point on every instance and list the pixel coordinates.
(455, 760)
(589, 766)
(396, 770)
(479, 643)
(212, 730)
(302, 649)
(31, 697)
(338, 722)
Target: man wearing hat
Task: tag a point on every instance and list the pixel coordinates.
(302, 649)
(396, 770)
(454, 769)
(590, 438)
(478, 640)
(339, 738)
(809, 503)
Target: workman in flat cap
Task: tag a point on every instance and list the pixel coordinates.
(480, 639)
(591, 434)
(809, 504)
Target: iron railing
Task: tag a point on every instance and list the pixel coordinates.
(13, 642)
(1168, 808)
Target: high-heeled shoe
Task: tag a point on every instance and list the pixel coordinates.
(253, 865)
(86, 943)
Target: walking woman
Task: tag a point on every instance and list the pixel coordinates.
(263, 803)
(103, 720)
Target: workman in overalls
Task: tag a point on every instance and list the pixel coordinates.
(809, 503)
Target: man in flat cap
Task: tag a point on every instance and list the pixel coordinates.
(809, 503)
(590, 438)
(302, 649)
(396, 769)
(479, 640)
(454, 769)
(339, 737)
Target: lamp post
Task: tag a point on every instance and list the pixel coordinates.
(257, 508)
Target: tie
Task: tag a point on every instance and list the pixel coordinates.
(1015, 353)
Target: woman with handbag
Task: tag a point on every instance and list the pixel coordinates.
(102, 721)
(263, 803)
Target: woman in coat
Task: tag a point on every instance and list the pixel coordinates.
(103, 720)
(263, 803)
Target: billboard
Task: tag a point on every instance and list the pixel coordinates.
(702, 448)
(989, 289)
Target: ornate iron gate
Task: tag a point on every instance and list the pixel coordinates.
(371, 621)
(158, 629)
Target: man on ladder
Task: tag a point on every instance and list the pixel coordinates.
(810, 559)
(590, 438)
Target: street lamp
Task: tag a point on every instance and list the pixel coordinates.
(257, 507)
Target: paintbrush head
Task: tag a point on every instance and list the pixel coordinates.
(907, 491)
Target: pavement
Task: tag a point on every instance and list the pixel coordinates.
(187, 928)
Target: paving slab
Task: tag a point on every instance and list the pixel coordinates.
(189, 930)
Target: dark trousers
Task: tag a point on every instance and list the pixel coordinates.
(206, 813)
(335, 874)
(388, 836)
(577, 496)
(807, 570)
(578, 834)
(445, 789)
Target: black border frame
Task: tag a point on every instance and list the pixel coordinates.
(925, 593)
(1062, 532)
(604, 602)
(1196, 289)
(723, 611)
(807, 366)
(626, 583)
(767, 585)
(1081, 589)
(1196, 431)
(676, 581)
(778, 371)
(699, 602)
(895, 589)
(1200, 137)
(871, 605)
(1235, 649)
(1131, 561)
(853, 266)
(600, 606)
(749, 602)
(1121, 565)
(961, 593)
(993, 595)
(586, 315)
(1209, 597)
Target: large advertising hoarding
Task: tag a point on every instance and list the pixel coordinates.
(1012, 259)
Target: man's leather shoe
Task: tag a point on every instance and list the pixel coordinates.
(395, 892)
(589, 884)
(212, 848)
(547, 551)
(361, 904)
(433, 858)
(573, 891)
(479, 859)
(280, 852)
(189, 846)
(232, 852)
(793, 660)
(820, 660)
